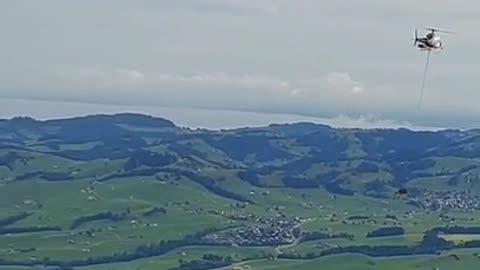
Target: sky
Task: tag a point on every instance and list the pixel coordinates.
(347, 62)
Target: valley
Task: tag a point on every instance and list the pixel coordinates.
(130, 191)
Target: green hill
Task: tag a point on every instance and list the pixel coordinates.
(130, 190)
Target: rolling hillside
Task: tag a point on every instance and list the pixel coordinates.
(303, 155)
(107, 190)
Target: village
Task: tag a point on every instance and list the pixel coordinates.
(435, 201)
(263, 232)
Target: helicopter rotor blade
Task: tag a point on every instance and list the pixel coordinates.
(415, 38)
(439, 30)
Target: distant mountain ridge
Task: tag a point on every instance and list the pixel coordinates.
(120, 118)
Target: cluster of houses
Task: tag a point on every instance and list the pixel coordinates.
(435, 201)
(264, 232)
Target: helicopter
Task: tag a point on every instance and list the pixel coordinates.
(430, 41)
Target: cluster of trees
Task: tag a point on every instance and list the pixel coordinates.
(147, 158)
(358, 217)
(459, 176)
(185, 151)
(28, 176)
(471, 244)
(376, 187)
(316, 235)
(367, 167)
(335, 188)
(431, 244)
(299, 182)
(88, 129)
(8, 159)
(386, 231)
(298, 166)
(327, 145)
(251, 177)
(405, 171)
(372, 251)
(456, 230)
(292, 180)
(211, 185)
(132, 173)
(154, 211)
(208, 261)
(29, 229)
(114, 148)
(400, 144)
(49, 176)
(56, 176)
(238, 147)
(391, 217)
(100, 216)
(13, 219)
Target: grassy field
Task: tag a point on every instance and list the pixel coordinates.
(187, 212)
(451, 260)
(120, 196)
(82, 186)
(188, 207)
(171, 260)
(465, 261)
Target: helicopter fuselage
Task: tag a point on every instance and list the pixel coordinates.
(433, 42)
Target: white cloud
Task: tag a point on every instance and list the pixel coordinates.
(343, 82)
(339, 84)
(224, 84)
(324, 95)
(122, 78)
(370, 121)
(327, 95)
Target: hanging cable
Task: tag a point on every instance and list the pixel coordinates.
(424, 80)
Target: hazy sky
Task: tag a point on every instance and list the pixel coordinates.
(318, 58)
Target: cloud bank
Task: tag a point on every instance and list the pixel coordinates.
(221, 90)
(188, 117)
(324, 96)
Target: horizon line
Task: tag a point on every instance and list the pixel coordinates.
(151, 115)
